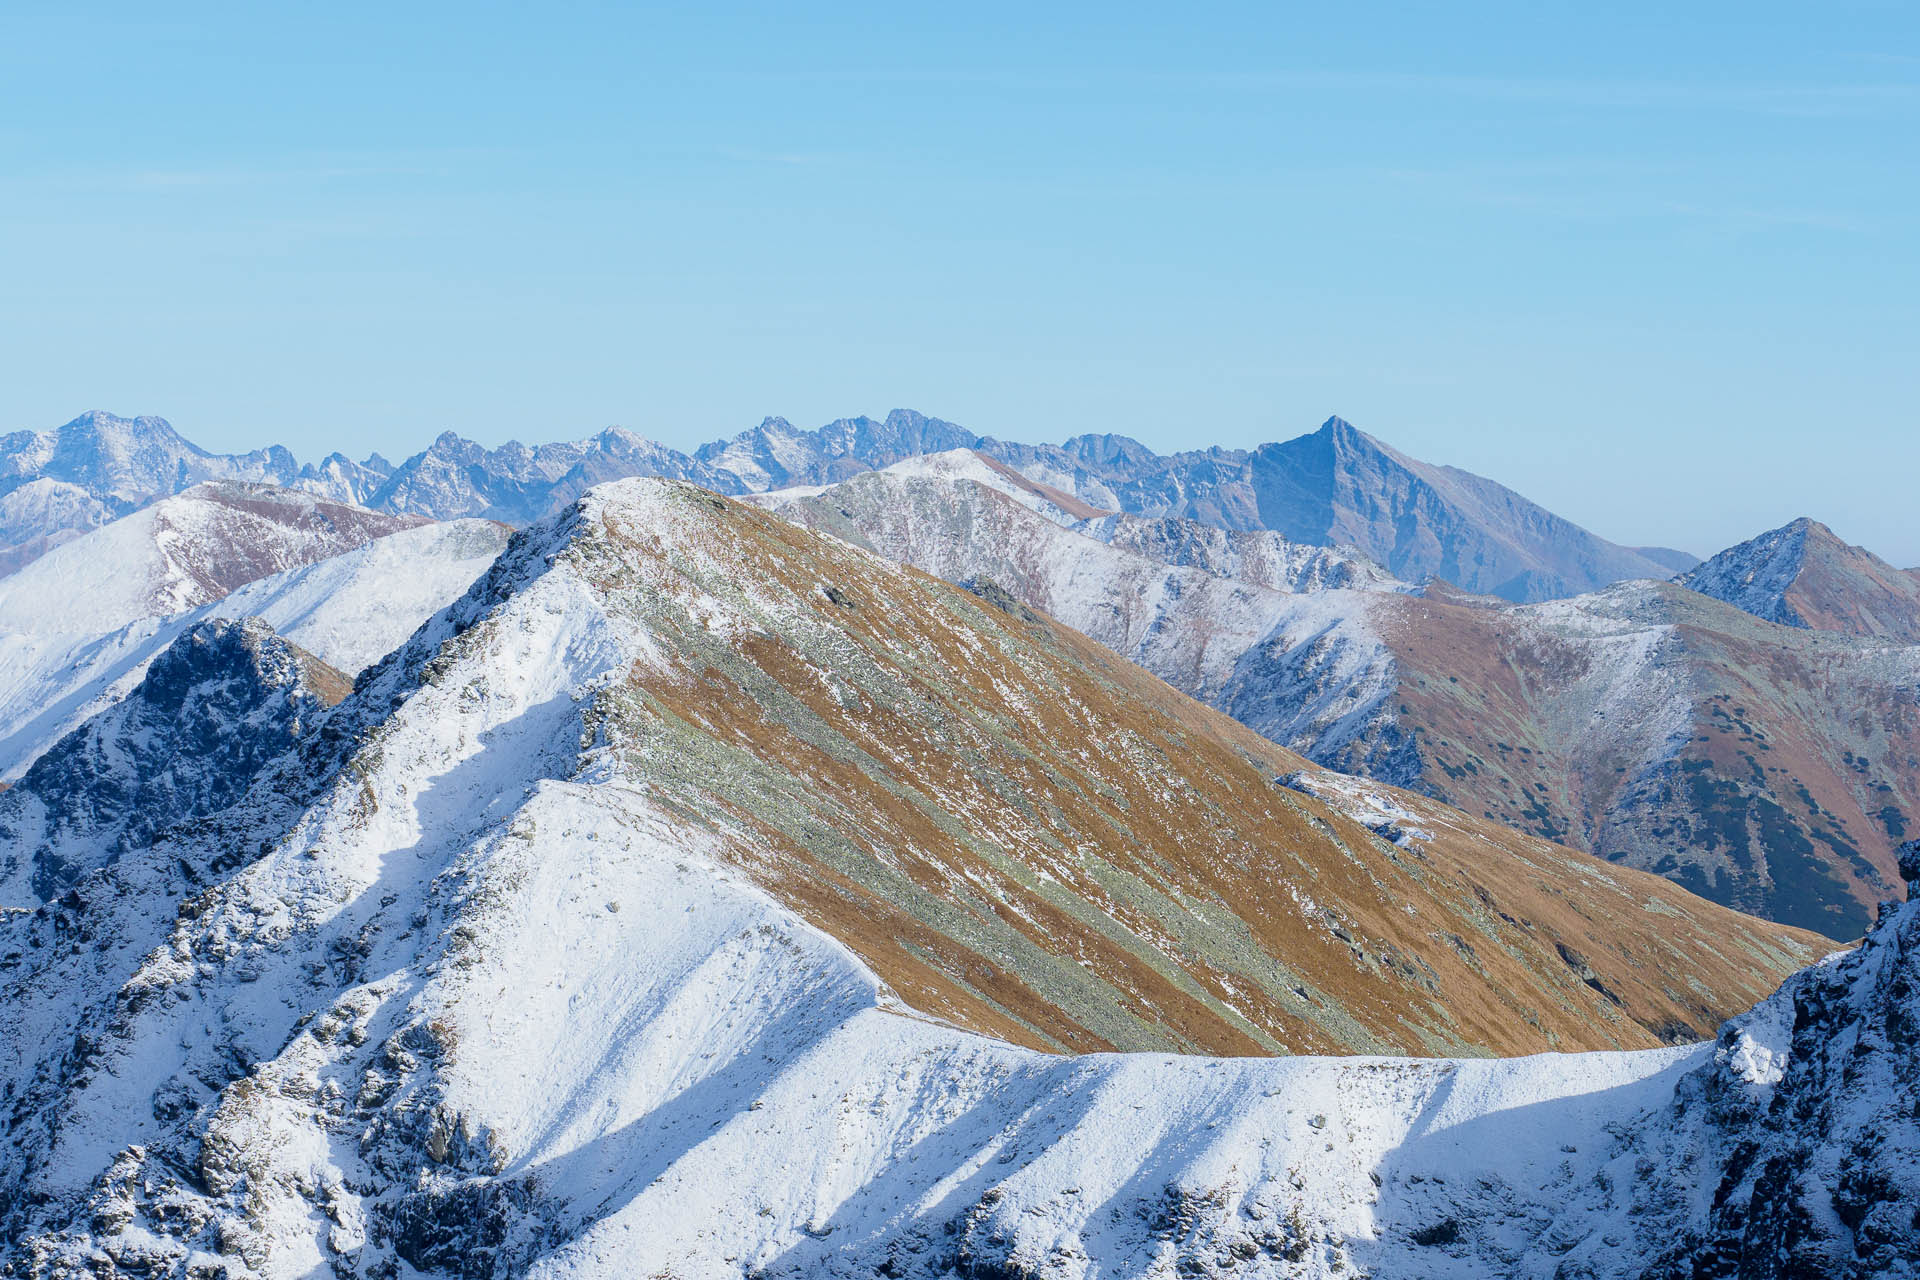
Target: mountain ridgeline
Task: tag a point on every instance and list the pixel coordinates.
(1802, 575)
(695, 895)
(1335, 486)
(1769, 767)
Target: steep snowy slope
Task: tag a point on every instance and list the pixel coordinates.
(1762, 766)
(219, 704)
(1801, 575)
(187, 550)
(498, 973)
(350, 610)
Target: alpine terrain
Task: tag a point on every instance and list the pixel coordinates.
(186, 550)
(1761, 765)
(686, 836)
(1801, 575)
(1337, 486)
(148, 578)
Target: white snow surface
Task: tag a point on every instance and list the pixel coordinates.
(185, 550)
(572, 1020)
(349, 611)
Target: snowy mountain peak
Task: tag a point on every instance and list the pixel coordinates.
(1804, 575)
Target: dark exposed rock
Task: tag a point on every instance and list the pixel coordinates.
(219, 704)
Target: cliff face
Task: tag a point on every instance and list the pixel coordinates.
(220, 703)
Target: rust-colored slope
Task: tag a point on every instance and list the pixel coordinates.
(1765, 766)
(1027, 835)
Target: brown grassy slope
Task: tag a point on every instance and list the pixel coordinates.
(1849, 589)
(1764, 766)
(1028, 836)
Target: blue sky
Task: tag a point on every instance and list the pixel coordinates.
(1659, 272)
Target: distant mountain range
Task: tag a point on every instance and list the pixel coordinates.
(1337, 486)
(1340, 486)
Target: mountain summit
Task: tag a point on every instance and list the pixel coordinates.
(1339, 486)
(1803, 575)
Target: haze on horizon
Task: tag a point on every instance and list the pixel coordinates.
(1656, 272)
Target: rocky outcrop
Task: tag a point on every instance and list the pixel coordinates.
(213, 709)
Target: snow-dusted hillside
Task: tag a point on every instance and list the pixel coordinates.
(1245, 622)
(474, 983)
(1763, 766)
(183, 551)
(57, 484)
(1801, 575)
(350, 611)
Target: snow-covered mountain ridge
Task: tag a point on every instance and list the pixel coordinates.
(480, 980)
(1334, 487)
(349, 610)
(190, 549)
(55, 485)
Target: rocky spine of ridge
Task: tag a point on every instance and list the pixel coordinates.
(1801, 1141)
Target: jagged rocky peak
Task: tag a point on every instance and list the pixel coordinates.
(1339, 486)
(1109, 451)
(1804, 575)
(217, 705)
